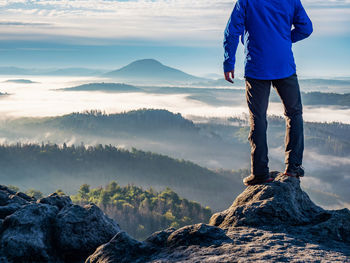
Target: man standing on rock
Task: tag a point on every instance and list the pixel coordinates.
(265, 27)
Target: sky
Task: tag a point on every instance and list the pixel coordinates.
(185, 34)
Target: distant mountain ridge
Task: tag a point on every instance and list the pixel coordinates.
(151, 70)
(50, 71)
(114, 87)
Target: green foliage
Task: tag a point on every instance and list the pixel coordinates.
(141, 212)
(83, 192)
(13, 188)
(34, 193)
(60, 192)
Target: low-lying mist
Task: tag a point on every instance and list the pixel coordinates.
(49, 96)
(214, 143)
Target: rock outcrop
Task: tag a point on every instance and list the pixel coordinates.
(274, 222)
(283, 205)
(270, 222)
(51, 229)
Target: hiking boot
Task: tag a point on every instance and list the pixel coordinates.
(253, 179)
(294, 171)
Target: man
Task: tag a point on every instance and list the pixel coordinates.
(265, 27)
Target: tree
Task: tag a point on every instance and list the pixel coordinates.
(83, 192)
(60, 192)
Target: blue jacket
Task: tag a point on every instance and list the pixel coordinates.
(265, 27)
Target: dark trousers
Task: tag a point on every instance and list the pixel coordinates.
(257, 94)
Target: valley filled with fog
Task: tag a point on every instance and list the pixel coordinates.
(45, 97)
(93, 110)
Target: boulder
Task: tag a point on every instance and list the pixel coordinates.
(9, 209)
(4, 197)
(80, 230)
(26, 234)
(25, 196)
(6, 189)
(54, 199)
(11, 201)
(50, 229)
(160, 238)
(281, 202)
(122, 249)
(198, 234)
(337, 227)
(284, 205)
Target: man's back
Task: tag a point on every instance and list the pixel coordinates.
(266, 26)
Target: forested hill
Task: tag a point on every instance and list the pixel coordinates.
(321, 98)
(47, 167)
(141, 120)
(141, 212)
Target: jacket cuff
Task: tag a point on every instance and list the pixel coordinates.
(228, 67)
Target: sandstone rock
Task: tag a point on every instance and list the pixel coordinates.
(80, 230)
(281, 202)
(51, 229)
(160, 238)
(122, 249)
(25, 197)
(56, 200)
(26, 234)
(4, 197)
(337, 227)
(10, 201)
(6, 189)
(17, 199)
(9, 209)
(274, 222)
(198, 234)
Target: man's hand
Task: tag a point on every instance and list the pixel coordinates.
(227, 76)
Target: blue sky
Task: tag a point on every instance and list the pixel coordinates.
(186, 34)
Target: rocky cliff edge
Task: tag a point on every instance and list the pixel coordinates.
(274, 222)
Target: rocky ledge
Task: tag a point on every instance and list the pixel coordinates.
(272, 222)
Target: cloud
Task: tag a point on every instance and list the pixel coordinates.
(17, 23)
(176, 21)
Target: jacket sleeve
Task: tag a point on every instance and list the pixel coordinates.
(302, 23)
(234, 28)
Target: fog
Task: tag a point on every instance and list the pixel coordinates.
(327, 179)
(44, 98)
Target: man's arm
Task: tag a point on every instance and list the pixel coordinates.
(302, 23)
(234, 28)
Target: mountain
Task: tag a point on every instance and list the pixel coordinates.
(75, 72)
(108, 87)
(274, 222)
(19, 71)
(21, 81)
(151, 71)
(50, 71)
